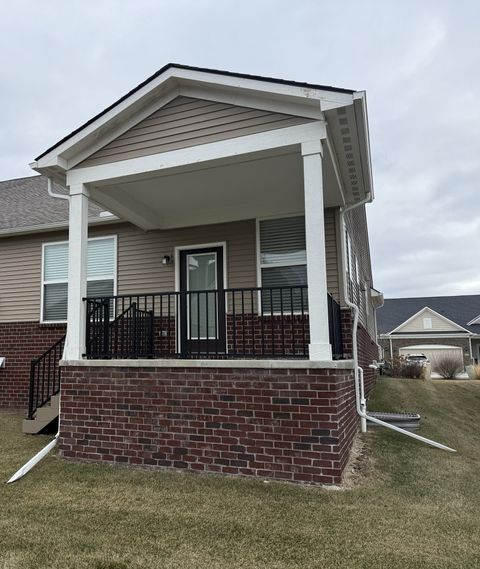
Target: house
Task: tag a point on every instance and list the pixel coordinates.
(435, 326)
(217, 242)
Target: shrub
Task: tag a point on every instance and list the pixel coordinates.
(476, 369)
(413, 370)
(447, 366)
(398, 367)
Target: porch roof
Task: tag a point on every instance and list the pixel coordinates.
(337, 116)
(168, 66)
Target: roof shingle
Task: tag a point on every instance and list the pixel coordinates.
(25, 203)
(459, 309)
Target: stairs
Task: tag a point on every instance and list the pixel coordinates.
(43, 397)
(43, 417)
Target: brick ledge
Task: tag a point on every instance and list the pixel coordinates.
(251, 364)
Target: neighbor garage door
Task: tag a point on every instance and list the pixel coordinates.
(434, 351)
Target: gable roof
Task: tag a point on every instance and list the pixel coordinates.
(459, 309)
(192, 68)
(427, 312)
(26, 206)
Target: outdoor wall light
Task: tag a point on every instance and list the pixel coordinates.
(167, 260)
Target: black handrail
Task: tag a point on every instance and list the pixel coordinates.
(128, 335)
(247, 322)
(45, 377)
(335, 327)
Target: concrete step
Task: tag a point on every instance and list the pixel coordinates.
(34, 426)
(55, 401)
(46, 413)
(43, 417)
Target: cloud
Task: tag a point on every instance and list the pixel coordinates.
(418, 61)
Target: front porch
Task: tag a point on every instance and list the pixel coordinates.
(219, 346)
(285, 312)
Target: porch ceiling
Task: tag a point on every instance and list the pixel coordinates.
(256, 185)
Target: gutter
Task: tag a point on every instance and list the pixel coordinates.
(361, 402)
(53, 194)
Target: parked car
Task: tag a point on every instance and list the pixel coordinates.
(417, 359)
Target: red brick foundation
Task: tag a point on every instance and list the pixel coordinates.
(284, 424)
(20, 342)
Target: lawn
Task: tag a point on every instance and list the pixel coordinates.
(412, 506)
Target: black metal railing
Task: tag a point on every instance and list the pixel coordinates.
(128, 335)
(335, 327)
(258, 322)
(45, 376)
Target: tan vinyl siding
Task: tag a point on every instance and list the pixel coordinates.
(331, 251)
(20, 276)
(139, 265)
(356, 224)
(140, 254)
(186, 122)
(438, 324)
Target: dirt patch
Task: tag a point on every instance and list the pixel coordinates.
(360, 468)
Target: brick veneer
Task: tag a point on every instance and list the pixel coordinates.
(285, 424)
(20, 342)
(367, 348)
(249, 335)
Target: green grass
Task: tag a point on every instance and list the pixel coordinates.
(413, 507)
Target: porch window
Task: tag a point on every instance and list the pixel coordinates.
(101, 275)
(283, 263)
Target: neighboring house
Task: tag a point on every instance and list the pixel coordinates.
(215, 335)
(435, 326)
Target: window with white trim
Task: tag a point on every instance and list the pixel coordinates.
(283, 262)
(101, 275)
(427, 323)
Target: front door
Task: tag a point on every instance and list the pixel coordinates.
(202, 301)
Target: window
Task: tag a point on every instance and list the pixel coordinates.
(283, 262)
(427, 323)
(101, 275)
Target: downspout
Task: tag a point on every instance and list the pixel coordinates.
(361, 402)
(52, 193)
(45, 450)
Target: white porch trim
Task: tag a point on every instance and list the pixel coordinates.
(122, 170)
(77, 272)
(320, 348)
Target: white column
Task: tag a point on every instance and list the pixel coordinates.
(77, 272)
(320, 348)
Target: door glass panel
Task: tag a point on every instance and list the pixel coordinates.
(202, 313)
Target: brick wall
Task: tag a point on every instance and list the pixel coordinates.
(283, 424)
(288, 335)
(366, 347)
(20, 342)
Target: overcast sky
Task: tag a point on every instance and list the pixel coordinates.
(419, 61)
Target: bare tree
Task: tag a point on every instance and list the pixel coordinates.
(448, 366)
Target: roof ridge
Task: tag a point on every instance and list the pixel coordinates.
(22, 178)
(432, 297)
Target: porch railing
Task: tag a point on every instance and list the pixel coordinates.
(45, 376)
(258, 322)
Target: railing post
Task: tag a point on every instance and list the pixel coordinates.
(31, 390)
(88, 341)
(183, 324)
(106, 328)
